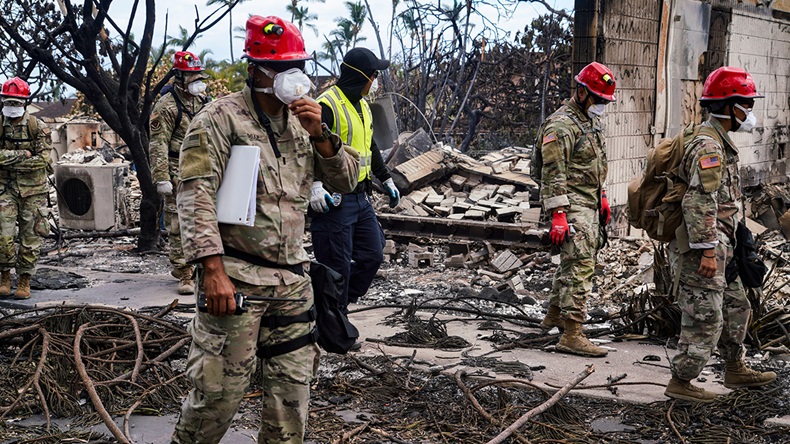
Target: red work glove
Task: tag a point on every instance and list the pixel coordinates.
(559, 228)
(606, 211)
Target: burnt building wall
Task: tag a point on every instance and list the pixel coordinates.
(662, 51)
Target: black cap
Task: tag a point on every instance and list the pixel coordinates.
(364, 60)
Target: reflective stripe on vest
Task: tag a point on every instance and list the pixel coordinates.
(350, 127)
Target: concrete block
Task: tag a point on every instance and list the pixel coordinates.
(475, 215)
(456, 261)
(460, 207)
(506, 261)
(442, 210)
(506, 190)
(515, 283)
(456, 216)
(420, 260)
(531, 216)
(433, 200)
(418, 196)
(389, 247)
(457, 182)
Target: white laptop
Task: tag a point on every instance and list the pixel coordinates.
(236, 194)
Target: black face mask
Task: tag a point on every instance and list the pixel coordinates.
(352, 83)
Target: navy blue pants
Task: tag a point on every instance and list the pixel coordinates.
(349, 240)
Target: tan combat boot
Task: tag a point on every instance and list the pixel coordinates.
(22, 287)
(5, 283)
(574, 342)
(682, 389)
(737, 375)
(186, 285)
(552, 319)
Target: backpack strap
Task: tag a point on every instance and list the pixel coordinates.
(584, 132)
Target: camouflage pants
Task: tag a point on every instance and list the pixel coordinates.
(712, 313)
(177, 260)
(31, 215)
(573, 279)
(222, 360)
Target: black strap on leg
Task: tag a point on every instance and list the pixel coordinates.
(272, 322)
(268, 352)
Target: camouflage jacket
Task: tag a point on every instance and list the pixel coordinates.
(283, 193)
(574, 159)
(10, 157)
(713, 199)
(165, 143)
(27, 177)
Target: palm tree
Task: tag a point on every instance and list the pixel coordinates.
(293, 7)
(357, 14)
(181, 39)
(228, 3)
(301, 17)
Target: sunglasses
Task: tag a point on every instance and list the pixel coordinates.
(13, 103)
(375, 74)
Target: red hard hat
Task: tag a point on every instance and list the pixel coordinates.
(727, 82)
(187, 62)
(598, 79)
(272, 39)
(16, 87)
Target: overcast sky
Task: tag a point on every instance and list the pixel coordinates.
(182, 12)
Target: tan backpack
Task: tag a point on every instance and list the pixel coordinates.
(654, 199)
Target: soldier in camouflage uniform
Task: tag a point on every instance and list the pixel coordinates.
(266, 260)
(573, 152)
(713, 312)
(169, 121)
(23, 188)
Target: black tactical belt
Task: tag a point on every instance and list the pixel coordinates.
(261, 262)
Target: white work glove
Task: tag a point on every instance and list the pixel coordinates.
(165, 188)
(392, 192)
(321, 199)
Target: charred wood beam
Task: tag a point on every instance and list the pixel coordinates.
(497, 233)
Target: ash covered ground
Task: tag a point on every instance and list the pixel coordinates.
(379, 398)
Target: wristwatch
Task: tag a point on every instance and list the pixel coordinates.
(325, 134)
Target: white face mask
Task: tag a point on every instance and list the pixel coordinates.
(374, 86)
(197, 88)
(596, 110)
(13, 111)
(289, 86)
(746, 126)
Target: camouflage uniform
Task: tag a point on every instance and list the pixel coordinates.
(23, 194)
(573, 176)
(713, 312)
(222, 355)
(165, 146)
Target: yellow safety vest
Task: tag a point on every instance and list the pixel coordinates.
(350, 127)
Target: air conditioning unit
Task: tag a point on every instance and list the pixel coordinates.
(88, 195)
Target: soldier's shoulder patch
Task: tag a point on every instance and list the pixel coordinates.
(709, 161)
(548, 138)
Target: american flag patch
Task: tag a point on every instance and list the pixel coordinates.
(549, 138)
(709, 161)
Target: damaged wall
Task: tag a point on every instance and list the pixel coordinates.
(661, 52)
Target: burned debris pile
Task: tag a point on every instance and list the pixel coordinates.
(90, 362)
(388, 398)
